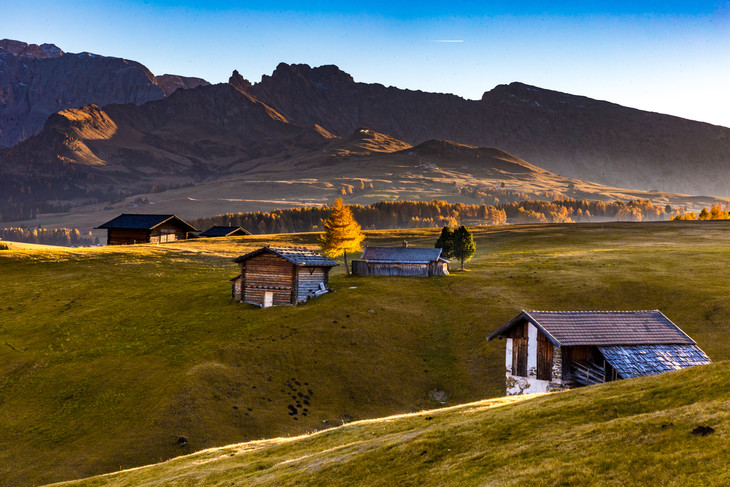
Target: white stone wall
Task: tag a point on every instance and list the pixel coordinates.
(529, 385)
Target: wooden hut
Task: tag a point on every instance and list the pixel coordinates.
(555, 350)
(273, 276)
(220, 231)
(130, 228)
(401, 261)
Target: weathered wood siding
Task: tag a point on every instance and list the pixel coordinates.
(544, 357)
(365, 268)
(309, 279)
(519, 350)
(167, 232)
(268, 272)
(120, 236)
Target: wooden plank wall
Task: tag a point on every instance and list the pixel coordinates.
(544, 357)
(309, 279)
(167, 232)
(519, 350)
(268, 272)
(364, 268)
(120, 236)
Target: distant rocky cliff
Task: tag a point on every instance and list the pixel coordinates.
(570, 135)
(37, 81)
(170, 83)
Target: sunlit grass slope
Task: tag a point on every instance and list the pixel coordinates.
(110, 355)
(636, 432)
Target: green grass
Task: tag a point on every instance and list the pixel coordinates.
(636, 432)
(111, 354)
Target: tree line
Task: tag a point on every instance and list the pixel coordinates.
(714, 213)
(67, 237)
(437, 214)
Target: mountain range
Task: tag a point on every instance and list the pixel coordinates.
(83, 128)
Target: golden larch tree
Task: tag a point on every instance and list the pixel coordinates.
(341, 233)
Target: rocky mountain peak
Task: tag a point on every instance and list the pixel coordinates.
(322, 77)
(32, 51)
(170, 83)
(238, 81)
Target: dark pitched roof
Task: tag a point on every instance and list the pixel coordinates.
(410, 255)
(131, 221)
(220, 231)
(296, 255)
(639, 360)
(569, 328)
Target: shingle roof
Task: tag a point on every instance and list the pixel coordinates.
(570, 328)
(220, 231)
(144, 222)
(412, 255)
(296, 255)
(639, 360)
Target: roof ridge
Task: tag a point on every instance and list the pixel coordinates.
(593, 311)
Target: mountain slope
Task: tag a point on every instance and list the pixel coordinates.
(37, 81)
(92, 152)
(636, 432)
(566, 134)
(187, 136)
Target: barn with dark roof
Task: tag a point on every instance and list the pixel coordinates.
(554, 350)
(220, 231)
(129, 228)
(401, 261)
(274, 276)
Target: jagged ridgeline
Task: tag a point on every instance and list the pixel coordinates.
(432, 214)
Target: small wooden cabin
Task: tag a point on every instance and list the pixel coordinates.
(401, 261)
(128, 228)
(274, 276)
(555, 350)
(220, 231)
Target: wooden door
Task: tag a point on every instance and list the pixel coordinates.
(544, 357)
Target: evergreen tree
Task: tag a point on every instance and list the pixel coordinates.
(464, 245)
(445, 242)
(341, 233)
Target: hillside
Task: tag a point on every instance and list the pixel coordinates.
(37, 81)
(304, 166)
(119, 352)
(93, 153)
(634, 432)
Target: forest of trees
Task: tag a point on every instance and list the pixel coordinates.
(437, 213)
(714, 213)
(68, 237)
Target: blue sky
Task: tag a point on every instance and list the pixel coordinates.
(670, 57)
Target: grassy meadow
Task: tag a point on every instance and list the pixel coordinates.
(111, 354)
(636, 432)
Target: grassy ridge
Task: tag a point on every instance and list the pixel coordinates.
(111, 354)
(634, 432)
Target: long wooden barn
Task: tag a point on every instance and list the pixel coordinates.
(221, 231)
(275, 276)
(130, 228)
(555, 350)
(401, 261)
